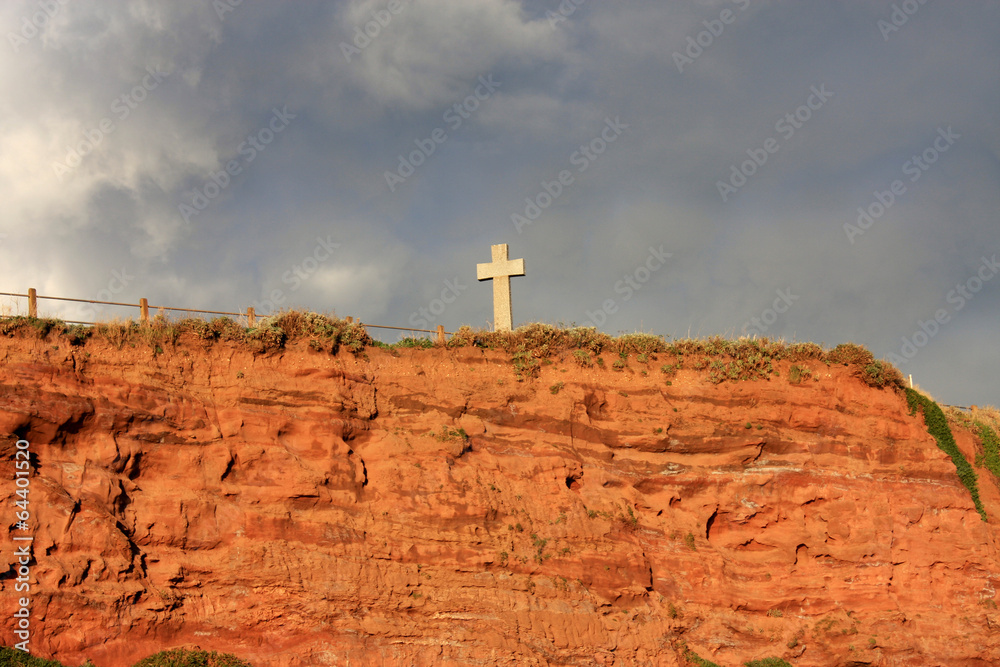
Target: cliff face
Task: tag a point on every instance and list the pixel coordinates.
(302, 509)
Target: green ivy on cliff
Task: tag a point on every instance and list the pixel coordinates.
(991, 448)
(937, 426)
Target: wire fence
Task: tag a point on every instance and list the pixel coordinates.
(144, 306)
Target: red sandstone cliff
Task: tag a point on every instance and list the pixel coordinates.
(303, 509)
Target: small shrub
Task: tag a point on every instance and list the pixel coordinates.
(452, 434)
(583, 358)
(414, 342)
(526, 366)
(797, 374)
(849, 353)
(640, 343)
(180, 657)
(554, 389)
(11, 657)
(696, 660)
(881, 374)
(803, 351)
(78, 334)
(775, 613)
(689, 541)
(767, 662)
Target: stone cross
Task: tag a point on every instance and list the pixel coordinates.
(500, 270)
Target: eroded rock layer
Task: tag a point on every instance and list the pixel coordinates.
(426, 508)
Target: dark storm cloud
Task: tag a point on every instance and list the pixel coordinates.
(750, 133)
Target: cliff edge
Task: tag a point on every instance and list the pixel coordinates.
(305, 506)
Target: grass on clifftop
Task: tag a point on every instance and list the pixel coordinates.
(722, 359)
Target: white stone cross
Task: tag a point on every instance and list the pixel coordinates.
(500, 270)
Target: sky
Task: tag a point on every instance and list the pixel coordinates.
(825, 171)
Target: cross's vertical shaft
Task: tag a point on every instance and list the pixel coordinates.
(500, 270)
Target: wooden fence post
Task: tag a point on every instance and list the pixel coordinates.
(144, 310)
(251, 317)
(441, 339)
(32, 302)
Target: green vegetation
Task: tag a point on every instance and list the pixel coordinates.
(526, 364)
(797, 374)
(11, 656)
(554, 389)
(451, 434)
(689, 541)
(991, 448)
(937, 426)
(530, 346)
(767, 662)
(539, 544)
(187, 658)
(418, 343)
(178, 657)
(696, 660)
(671, 369)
